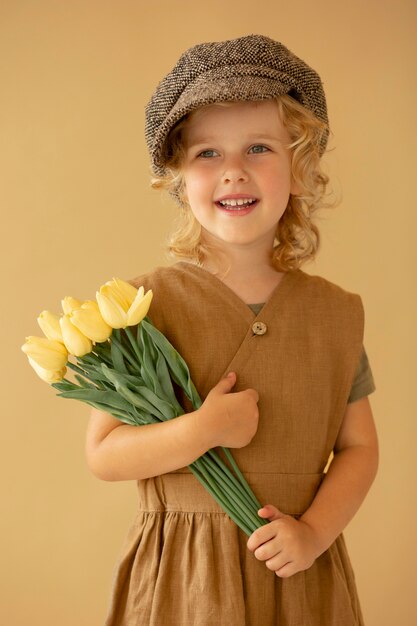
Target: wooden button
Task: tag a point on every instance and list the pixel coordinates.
(259, 328)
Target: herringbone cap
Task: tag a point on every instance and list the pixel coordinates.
(253, 67)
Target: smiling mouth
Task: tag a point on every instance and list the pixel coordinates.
(236, 205)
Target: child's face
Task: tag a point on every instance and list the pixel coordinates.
(238, 152)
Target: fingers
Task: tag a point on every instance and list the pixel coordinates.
(276, 559)
(227, 383)
(270, 512)
(260, 536)
(286, 571)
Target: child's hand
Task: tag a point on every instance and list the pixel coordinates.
(286, 545)
(229, 419)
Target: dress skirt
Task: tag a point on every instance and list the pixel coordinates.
(185, 563)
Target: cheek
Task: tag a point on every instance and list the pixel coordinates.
(197, 186)
(276, 174)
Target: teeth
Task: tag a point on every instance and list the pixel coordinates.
(239, 202)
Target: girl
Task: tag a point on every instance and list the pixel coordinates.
(236, 131)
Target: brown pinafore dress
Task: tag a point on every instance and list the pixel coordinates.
(185, 563)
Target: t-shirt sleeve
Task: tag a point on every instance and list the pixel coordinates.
(363, 382)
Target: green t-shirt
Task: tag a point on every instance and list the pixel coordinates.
(363, 383)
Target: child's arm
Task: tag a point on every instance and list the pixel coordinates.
(288, 545)
(117, 451)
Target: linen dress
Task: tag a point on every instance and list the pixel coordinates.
(185, 562)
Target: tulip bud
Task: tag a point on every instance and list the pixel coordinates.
(121, 304)
(48, 354)
(74, 340)
(112, 313)
(48, 376)
(69, 304)
(49, 324)
(90, 322)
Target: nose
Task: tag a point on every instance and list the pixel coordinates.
(234, 170)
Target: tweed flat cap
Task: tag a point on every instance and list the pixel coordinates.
(253, 67)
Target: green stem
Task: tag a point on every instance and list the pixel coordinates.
(241, 477)
(205, 480)
(230, 494)
(249, 499)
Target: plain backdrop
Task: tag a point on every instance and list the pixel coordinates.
(77, 209)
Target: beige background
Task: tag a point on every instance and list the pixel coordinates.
(77, 209)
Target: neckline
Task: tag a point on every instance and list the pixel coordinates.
(279, 292)
(255, 304)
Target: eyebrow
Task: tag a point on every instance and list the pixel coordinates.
(264, 137)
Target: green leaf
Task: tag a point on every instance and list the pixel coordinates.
(176, 364)
(135, 345)
(165, 381)
(88, 359)
(126, 418)
(117, 356)
(139, 401)
(149, 362)
(111, 375)
(162, 406)
(109, 398)
(77, 368)
(147, 379)
(94, 373)
(84, 383)
(103, 351)
(147, 369)
(64, 385)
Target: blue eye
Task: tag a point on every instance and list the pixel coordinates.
(256, 148)
(206, 154)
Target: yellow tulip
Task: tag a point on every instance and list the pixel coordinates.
(75, 341)
(90, 322)
(48, 376)
(69, 304)
(48, 354)
(49, 324)
(121, 304)
(140, 307)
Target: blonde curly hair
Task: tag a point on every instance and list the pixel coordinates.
(297, 238)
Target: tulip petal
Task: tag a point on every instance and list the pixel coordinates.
(89, 321)
(114, 294)
(49, 376)
(74, 340)
(139, 308)
(49, 324)
(113, 314)
(49, 354)
(69, 304)
(128, 291)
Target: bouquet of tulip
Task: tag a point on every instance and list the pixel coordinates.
(126, 367)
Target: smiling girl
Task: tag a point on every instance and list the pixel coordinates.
(237, 175)
(236, 132)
